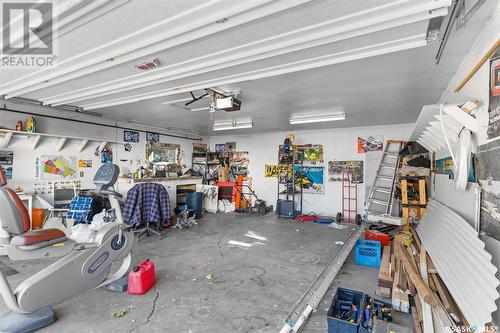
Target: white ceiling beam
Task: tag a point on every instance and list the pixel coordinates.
(462, 117)
(434, 134)
(436, 127)
(316, 62)
(451, 123)
(425, 144)
(355, 25)
(242, 13)
(448, 129)
(435, 142)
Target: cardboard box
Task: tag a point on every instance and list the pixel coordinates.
(223, 174)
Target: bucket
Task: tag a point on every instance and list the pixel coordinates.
(194, 201)
(37, 215)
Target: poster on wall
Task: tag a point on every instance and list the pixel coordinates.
(84, 164)
(274, 170)
(230, 147)
(55, 167)
(6, 161)
(337, 168)
(220, 147)
(152, 137)
(311, 178)
(494, 105)
(371, 143)
(130, 136)
(238, 163)
(270, 170)
(199, 147)
(312, 153)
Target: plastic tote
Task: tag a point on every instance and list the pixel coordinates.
(367, 253)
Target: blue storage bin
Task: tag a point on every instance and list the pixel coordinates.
(367, 253)
(341, 304)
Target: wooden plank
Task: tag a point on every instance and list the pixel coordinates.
(383, 292)
(485, 57)
(446, 298)
(416, 240)
(430, 266)
(422, 197)
(396, 293)
(404, 200)
(404, 302)
(384, 272)
(427, 319)
(416, 321)
(418, 306)
(421, 286)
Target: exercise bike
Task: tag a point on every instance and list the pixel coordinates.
(82, 268)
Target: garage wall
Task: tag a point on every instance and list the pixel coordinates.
(478, 88)
(338, 144)
(24, 156)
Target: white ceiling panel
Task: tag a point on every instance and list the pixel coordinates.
(369, 58)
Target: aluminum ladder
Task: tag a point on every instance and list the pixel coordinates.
(379, 204)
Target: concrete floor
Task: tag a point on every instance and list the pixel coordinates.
(260, 266)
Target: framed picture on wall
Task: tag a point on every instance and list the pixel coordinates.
(220, 147)
(152, 137)
(130, 136)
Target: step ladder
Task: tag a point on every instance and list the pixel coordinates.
(380, 201)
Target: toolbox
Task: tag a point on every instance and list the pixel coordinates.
(381, 310)
(340, 316)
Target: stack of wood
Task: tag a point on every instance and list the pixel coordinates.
(408, 276)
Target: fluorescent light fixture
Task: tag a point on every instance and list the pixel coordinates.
(316, 119)
(233, 125)
(205, 108)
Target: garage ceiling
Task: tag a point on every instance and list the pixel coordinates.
(369, 59)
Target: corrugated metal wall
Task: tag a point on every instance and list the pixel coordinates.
(461, 261)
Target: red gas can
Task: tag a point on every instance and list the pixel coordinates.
(141, 278)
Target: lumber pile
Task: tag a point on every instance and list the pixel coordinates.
(408, 277)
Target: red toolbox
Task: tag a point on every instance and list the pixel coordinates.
(141, 278)
(384, 239)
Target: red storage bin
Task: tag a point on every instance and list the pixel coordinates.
(384, 239)
(141, 278)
